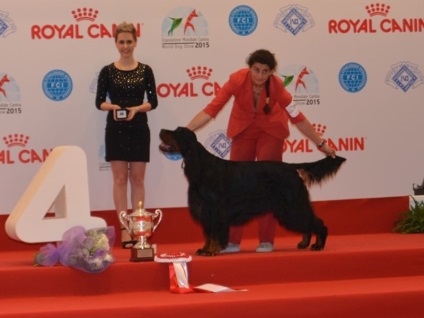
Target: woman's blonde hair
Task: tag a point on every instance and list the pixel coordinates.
(126, 27)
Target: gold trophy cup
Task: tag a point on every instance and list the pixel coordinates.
(140, 224)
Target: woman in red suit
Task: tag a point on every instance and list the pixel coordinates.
(258, 126)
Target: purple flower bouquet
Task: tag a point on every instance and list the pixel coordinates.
(86, 250)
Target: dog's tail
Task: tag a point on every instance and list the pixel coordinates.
(318, 171)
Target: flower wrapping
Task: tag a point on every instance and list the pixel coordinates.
(86, 250)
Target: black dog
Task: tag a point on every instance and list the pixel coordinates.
(224, 192)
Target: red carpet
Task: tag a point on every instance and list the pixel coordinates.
(365, 271)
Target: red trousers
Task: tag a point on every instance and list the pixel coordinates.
(253, 144)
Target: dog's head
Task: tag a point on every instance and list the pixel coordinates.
(179, 140)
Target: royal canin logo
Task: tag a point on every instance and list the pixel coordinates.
(372, 25)
(346, 144)
(193, 88)
(17, 151)
(77, 30)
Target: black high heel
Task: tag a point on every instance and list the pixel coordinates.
(127, 244)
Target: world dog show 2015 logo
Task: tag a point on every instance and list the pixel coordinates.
(57, 85)
(17, 151)
(7, 26)
(378, 21)
(10, 96)
(185, 28)
(404, 76)
(78, 30)
(302, 83)
(243, 20)
(294, 19)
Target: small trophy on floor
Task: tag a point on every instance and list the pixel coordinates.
(140, 224)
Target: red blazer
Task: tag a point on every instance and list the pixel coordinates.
(243, 113)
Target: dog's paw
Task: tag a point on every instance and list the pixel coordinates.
(302, 245)
(321, 239)
(306, 241)
(203, 252)
(317, 247)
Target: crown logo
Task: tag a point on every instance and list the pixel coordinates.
(81, 14)
(320, 129)
(377, 9)
(199, 72)
(16, 140)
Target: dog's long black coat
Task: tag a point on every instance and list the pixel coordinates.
(224, 192)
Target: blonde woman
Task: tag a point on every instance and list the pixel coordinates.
(131, 91)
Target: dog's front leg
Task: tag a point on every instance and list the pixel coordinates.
(211, 248)
(203, 251)
(213, 230)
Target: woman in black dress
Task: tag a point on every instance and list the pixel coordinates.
(121, 91)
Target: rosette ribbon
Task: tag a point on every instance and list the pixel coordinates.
(178, 273)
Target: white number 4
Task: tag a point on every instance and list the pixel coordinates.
(62, 183)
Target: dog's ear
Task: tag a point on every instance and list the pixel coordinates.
(185, 131)
(186, 139)
(191, 150)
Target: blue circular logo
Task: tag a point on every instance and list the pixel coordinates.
(243, 20)
(174, 156)
(57, 85)
(352, 77)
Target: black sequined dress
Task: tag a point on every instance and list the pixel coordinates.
(127, 140)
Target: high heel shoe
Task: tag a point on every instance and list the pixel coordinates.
(128, 244)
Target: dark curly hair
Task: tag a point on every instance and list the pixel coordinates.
(263, 57)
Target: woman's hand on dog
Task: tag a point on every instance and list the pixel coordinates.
(328, 150)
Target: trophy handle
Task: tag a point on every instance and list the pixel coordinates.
(158, 213)
(122, 218)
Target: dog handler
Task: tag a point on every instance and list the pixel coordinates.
(258, 126)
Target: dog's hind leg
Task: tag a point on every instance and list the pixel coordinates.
(305, 242)
(321, 232)
(301, 218)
